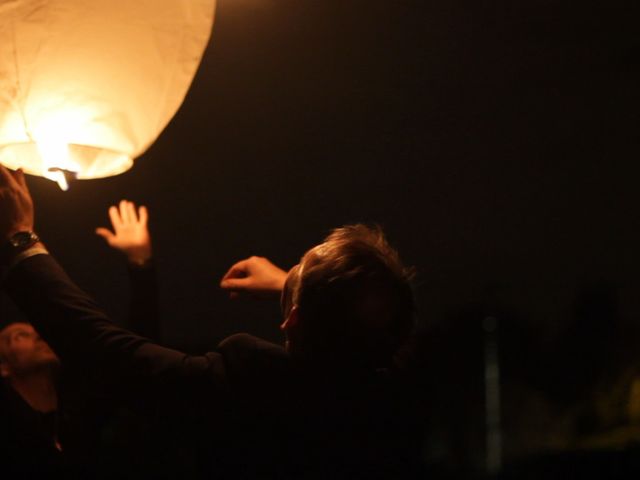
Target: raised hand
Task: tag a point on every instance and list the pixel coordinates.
(16, 206)
(254, 275)
(130, 233)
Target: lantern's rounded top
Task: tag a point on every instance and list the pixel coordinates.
(109, 75)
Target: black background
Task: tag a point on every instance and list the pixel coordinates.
(496, 142)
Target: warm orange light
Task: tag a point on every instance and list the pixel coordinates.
(86, 87)
(55, 158)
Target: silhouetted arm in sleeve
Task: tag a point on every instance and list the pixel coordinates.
(144, 316)
(81, 334)
(130, 236)
(68, 319)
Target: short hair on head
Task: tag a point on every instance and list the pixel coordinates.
(355, 297)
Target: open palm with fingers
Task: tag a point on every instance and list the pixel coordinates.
(130, 234)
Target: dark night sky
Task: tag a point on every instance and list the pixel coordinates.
(498, 146)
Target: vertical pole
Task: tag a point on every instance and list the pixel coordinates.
(492, 396)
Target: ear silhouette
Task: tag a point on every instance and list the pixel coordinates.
(292, 319)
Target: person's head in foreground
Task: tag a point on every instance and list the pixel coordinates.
(349, 301)
(23, 352)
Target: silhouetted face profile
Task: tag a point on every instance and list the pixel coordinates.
(23, 351)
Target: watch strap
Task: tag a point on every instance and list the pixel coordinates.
(16, 244)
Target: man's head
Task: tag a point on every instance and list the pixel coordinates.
(23, 352)
(348, 300)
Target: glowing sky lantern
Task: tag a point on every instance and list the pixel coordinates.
(86, 86)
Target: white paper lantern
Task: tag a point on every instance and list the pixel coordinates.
(86, 86)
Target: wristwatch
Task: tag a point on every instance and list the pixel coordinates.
(18, 242)
(22, 240)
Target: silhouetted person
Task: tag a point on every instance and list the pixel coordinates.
(51, 420)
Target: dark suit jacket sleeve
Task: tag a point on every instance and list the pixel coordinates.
(82, 336)
(144, 318)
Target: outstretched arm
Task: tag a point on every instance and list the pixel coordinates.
(131, 236)
(255, 276)
(70, 322)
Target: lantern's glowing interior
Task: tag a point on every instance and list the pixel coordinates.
(53, 149)
(49, 158)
